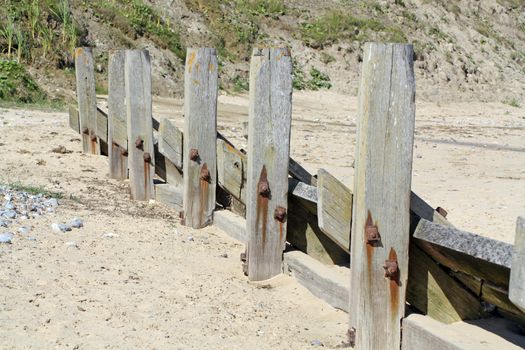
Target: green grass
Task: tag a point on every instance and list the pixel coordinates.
(16, 85)
(316, 80)
(338, 25)
(35, 190)
(513, 103)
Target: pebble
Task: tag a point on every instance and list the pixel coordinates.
(190, 238)
(24, 230)
(6, 237)
(316, 342)
(72, 244)
(60, 227)
(52, 202)
(4, 223)
(31, 238)
(9, 206)
(76, 223)
(110, 235)
(10, 214)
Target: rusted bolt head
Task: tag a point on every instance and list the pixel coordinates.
(85, 131)
(442, 211)
(280, 214)
(372, 234)
(351, 336)
(194, 154)
(205, 174)
(391, 269)
(124, 152)
(93, 137)
(147, 157)
(264, 189)
(139, 143)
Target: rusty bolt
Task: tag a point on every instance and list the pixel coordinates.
(391, 269)
(194, 154)
(280, 214)
(351, 336)
(264, 188)
(205, 174)
(442, 211)
(372, 234)
(147, 157)
(139, 143)
(85, 131)
(124, 152)
(93, 137)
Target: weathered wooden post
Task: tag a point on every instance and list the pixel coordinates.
(200, 132)
(87, 99)
(117, 128)
(380, 225)
(268, 156)
(139, 125)
(517, 271)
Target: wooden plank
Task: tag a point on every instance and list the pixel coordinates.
(74, 122)
(102, 125)
(383, 173)
(422, 332)
(141, 156)
(87, 99)
(436, 294)
(170, 142)
(423, 210)
(231, 170)
(517, 272)
(334, 208)
(269, 149)
(463, 251)
(298, 172)
(116, 117)
(200, 132)
(169, 195)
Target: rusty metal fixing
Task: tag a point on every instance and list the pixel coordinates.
(194, 154)
(147, 157)
(93, 137)
(351, 336)
(139, 143)
(280, 214)
(391, 269)
(264, 188)
(442, 211)
(372, 234)
(205, 174)
(85, 131)
(124, 152)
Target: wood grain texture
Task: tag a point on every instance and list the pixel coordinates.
(117, 115)
(170, 142)
(200, 132)
(385, 137)
(334, 208)
(87, 99)
(432, 291)
(231, 170)
(517, 272)
(139, 124)
(463, 251)
(269, 152)
(74, 122)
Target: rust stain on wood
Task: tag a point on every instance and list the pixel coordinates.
(262, 206)
(211, 67)
(93, 142)
(394, 287)
(146, 178)
(369, 247)
(191, 59)
(203, 188)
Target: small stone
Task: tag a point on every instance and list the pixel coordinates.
(24, 230)
(224, 255)
(10, 214)
(60, 227)
(6, 237)
(190, 238)
(50, 210)
(52, 202)
(9, 206)
(4, 223)
(72, 244)
(76, 223)
(110, 235)
(31, 238)
(316, 342)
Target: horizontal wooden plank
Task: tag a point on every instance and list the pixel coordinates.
(517, 274)
(422, 332)
(462, 251)
(231, 170)
(102, 125)
(74, 122)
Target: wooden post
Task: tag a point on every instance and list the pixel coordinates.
(117, 129)
(380, 225)
(268, 156)
(200, 132)
(87, 99)
(141, 157)
(517, 271)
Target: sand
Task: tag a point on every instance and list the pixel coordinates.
(158, 285)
